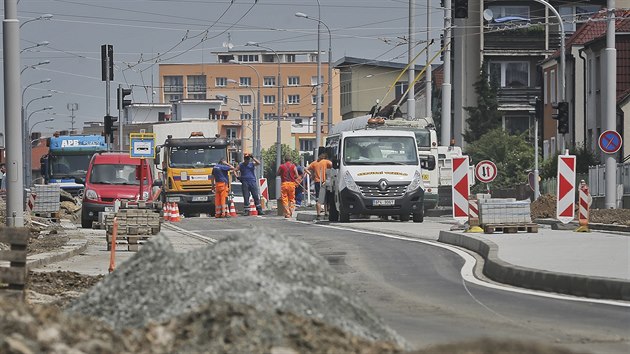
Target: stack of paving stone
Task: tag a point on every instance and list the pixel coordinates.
(46, 198)
(504, 211)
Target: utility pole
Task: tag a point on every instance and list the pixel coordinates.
(411, 72)
(13, 122)
(445, 136)
(72, 107)
(610, 200)
(428, 88)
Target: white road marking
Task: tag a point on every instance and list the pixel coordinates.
(190, 233)
(467, 270)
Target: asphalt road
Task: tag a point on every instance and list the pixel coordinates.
(417, 287)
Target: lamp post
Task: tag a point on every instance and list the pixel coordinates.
(26, 137)
(30, 132)
(27, 164)
(40, 44)
(256, 126)
(225, 97)
(330, 117)
(278, 118)
(42, 17)
(35, 65)
(253, 115)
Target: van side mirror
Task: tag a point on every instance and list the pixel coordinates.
(156, 160)
(427, 162)
(79, 180)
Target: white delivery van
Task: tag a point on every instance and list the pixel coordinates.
(375, 172)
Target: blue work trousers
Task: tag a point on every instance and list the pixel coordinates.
(251, 187)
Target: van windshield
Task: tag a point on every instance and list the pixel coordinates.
(64, 166)
(380, 150)
(116, 174)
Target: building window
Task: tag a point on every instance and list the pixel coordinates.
(571, 15)
(173, 84)
(196, 83)
(293, 81)
(545, 87)
(314, 99)
(400, 88)
(307, 144)
(294, 99)
(248, 58)
(245, 81)
(269, 81)
(552, 87)
(505, 11)
(269, 116)
(246, 116)
(314, 80)
(516, 124)
(197, 96)
(510, 74)
(269, 99)
(245, 99)
(293, 114)
(290, 58)
(298, 121)
(231, 133)
(220, 81)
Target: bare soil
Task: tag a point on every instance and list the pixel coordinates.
(545, 207)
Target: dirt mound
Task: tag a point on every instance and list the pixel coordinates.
(611, 216)
(58, 288)
(544, 207)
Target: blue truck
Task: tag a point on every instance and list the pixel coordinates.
(68, 158)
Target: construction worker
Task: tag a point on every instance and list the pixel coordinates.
(222, 188)
(317, 169)
(250, 182)
(288, 175)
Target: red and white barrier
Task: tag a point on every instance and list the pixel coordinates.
(264, 188)
(584, 210)
(461, 188)
(565, 203)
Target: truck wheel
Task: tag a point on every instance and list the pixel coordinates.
(333, 214)
(404, 217)
(85, 222)
(418, 217)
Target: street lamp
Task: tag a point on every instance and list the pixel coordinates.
(278, 118)
(256, 144)
(35, 65)
(42, 17)
(27, 164)
(330, 118)
(40, 44)
(225, 97)
(30, 132)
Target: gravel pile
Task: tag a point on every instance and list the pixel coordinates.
(263, 269)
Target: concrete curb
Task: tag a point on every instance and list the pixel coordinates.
(71, 249)
(503, 272)
(594, 226)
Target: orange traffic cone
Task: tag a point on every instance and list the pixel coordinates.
(166, 212)
(176, 217)
(232, 209)
(252, 208)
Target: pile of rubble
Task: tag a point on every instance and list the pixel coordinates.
(545, 207)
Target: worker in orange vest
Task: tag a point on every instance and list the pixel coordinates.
(288, 176)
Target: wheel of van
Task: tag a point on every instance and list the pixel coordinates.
(418, 217)
(85, 222)
(404, 217)
(333, 214)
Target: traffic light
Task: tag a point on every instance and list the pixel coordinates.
(109, 126)
(121, 103)
(540, 113)
(460, 10)
(563, 117)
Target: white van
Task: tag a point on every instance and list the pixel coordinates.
(375, 172)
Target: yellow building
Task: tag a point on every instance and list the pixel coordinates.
(246, 80)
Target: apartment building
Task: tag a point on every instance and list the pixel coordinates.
(282, 83)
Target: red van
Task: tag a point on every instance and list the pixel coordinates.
(111, 176)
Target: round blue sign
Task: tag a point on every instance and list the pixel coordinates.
(610, 141)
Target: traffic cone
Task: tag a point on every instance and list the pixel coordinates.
(252, 208)
(176, 217)
(166, 212)
(232, 208)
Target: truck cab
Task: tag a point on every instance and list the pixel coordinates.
(112, 176)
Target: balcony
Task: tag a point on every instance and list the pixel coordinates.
(525, 38)
(517, 98)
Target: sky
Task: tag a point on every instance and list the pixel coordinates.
(145, 33)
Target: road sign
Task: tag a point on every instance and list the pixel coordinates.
(610, 141)
(461, 188)
(486, 171)
(142, 145)
(565, 202)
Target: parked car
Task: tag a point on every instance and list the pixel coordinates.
(114, 176)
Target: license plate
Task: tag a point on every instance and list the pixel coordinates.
(200, 198)
(172, 199)
(383, 202)
(109, 209)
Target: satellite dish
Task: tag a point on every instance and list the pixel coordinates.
(488, 15)
(228, 45)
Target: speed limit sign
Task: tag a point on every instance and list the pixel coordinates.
(486, 171)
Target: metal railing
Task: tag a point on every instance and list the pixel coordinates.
(597, 178)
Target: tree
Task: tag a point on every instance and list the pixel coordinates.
(485, 116)
(583, 159)
(512, 154)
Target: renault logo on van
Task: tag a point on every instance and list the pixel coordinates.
(382, 184)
